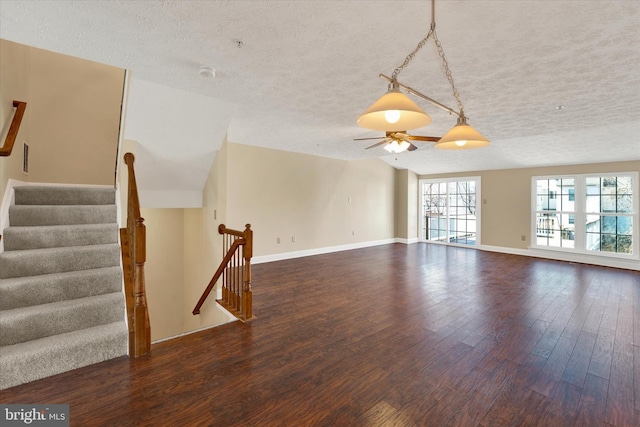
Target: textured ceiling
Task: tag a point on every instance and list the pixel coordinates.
(307, 69)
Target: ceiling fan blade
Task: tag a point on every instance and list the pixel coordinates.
(364, 139)
(384, 141)
(412, 147)
(423, 138)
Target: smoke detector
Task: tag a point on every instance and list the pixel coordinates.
(207, 72)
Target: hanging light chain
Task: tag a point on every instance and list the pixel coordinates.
(445, 64)
(447, 71)
(409, 57)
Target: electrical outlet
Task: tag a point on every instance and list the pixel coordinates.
(293, 239)
(523, 238)
(278, 240)
(353, 233)
(215, 214)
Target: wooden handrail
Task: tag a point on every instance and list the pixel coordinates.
(235, 272)
(7, 148)
(217, 274)
(134, 257)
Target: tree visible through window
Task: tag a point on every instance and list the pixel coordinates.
(609, 220)
(449, 211)
(592, 213)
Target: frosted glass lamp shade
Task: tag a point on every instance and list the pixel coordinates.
(393, 112)
(462, 137)
(397, 147)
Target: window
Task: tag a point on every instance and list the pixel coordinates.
(555, 216)
(609, 209)
(449, 211)
(587, 213)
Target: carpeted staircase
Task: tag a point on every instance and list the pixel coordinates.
(61, 300)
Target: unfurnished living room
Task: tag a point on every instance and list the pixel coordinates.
(320, 213)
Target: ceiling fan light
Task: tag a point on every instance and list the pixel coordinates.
(462, 137)
(397, 106)
(397, 146)
(390, 147)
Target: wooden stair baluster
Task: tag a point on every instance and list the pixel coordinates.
(235, 271)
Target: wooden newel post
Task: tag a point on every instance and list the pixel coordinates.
(247, 253)
(134, 244)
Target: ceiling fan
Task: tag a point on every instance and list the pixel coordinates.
(399, 141)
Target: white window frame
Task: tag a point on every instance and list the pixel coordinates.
(581, 213)
(422, 222)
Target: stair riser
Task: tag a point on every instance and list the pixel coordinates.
(22, 215)
(52, 319)
(30, 361)
(57, 260)
(45, 195)
(45, 289)
(21, 238)
(61, 300)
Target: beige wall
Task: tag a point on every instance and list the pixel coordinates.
(203, 247)
(15, 62)
(164, 270)
(506, 215)
(406, 205)
(72, 117)
(317, 201)
(401, 203)
(412, 206)
(183, 251)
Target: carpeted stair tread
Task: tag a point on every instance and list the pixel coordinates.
(49, 236)
(52, 195)
(35, 215)
(62, 304)
(47, 288)
(33, 262)
(32, 360)
(39, 321)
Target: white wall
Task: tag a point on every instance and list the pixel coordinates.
(178, 135)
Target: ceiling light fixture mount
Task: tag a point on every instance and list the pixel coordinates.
(395, 111)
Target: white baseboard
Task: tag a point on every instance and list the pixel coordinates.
(193, 332)
(628, 264)
(318, 251)
(7, 200)
(407, 241)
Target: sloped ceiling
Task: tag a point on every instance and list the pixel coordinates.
(296, 74)
(177, 135)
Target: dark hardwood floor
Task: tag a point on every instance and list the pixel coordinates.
(394, 335)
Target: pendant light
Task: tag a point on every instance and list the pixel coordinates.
(395, 111)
